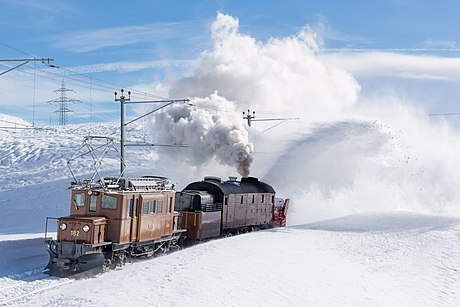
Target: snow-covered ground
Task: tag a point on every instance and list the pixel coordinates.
(392, 258)
(370, 260)
(8, 121)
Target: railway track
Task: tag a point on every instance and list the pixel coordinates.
(23, 290)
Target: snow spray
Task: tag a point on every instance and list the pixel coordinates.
(345, 155)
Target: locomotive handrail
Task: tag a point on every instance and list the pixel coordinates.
(46, 225)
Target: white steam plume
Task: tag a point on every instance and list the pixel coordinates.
(210, 135)
(282, 77)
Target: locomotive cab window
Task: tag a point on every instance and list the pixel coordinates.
(93, 203)
(129, 208)
(136, 207)
(160, 207)
(153, 206)
(169, 204)
(109, 202)
(79, 200)
(145, 208)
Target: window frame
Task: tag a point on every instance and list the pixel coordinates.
(160, 207)
(106, 205)
(169, 209)
(91, 198)
(79, 195)
(129, 208)
(145, 205)
(153, 207)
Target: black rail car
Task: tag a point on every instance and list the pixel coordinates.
(213, 208)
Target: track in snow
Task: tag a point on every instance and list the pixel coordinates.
(23, 292)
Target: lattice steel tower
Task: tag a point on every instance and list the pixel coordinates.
(62, 103)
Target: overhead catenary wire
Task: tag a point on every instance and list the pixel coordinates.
(77, 83)
(20, 51)
(445, 114)
(133, 90)
(88, 83)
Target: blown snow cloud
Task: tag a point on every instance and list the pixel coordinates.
(280, 76)
(369, 156)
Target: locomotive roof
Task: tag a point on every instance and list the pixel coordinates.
(246, 185)
(127, 184)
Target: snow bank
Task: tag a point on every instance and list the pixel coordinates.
(9, 121)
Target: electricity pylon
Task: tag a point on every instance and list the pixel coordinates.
(62, 103)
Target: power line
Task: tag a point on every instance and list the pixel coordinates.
(444, 114)
(133, 90)
(11, 47)
(392, 49)
(24, 62)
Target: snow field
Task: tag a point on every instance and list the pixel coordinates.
(297, 266)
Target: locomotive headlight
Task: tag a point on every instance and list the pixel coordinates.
(86, 228)
(63, 226)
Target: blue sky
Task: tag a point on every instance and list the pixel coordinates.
(101, 46)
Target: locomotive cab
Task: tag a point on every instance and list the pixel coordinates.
(112, 220)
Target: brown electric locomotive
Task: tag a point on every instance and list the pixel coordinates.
(112, 220)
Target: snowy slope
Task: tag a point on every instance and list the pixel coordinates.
(8, 121)
(412, 260)
(389, 258)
